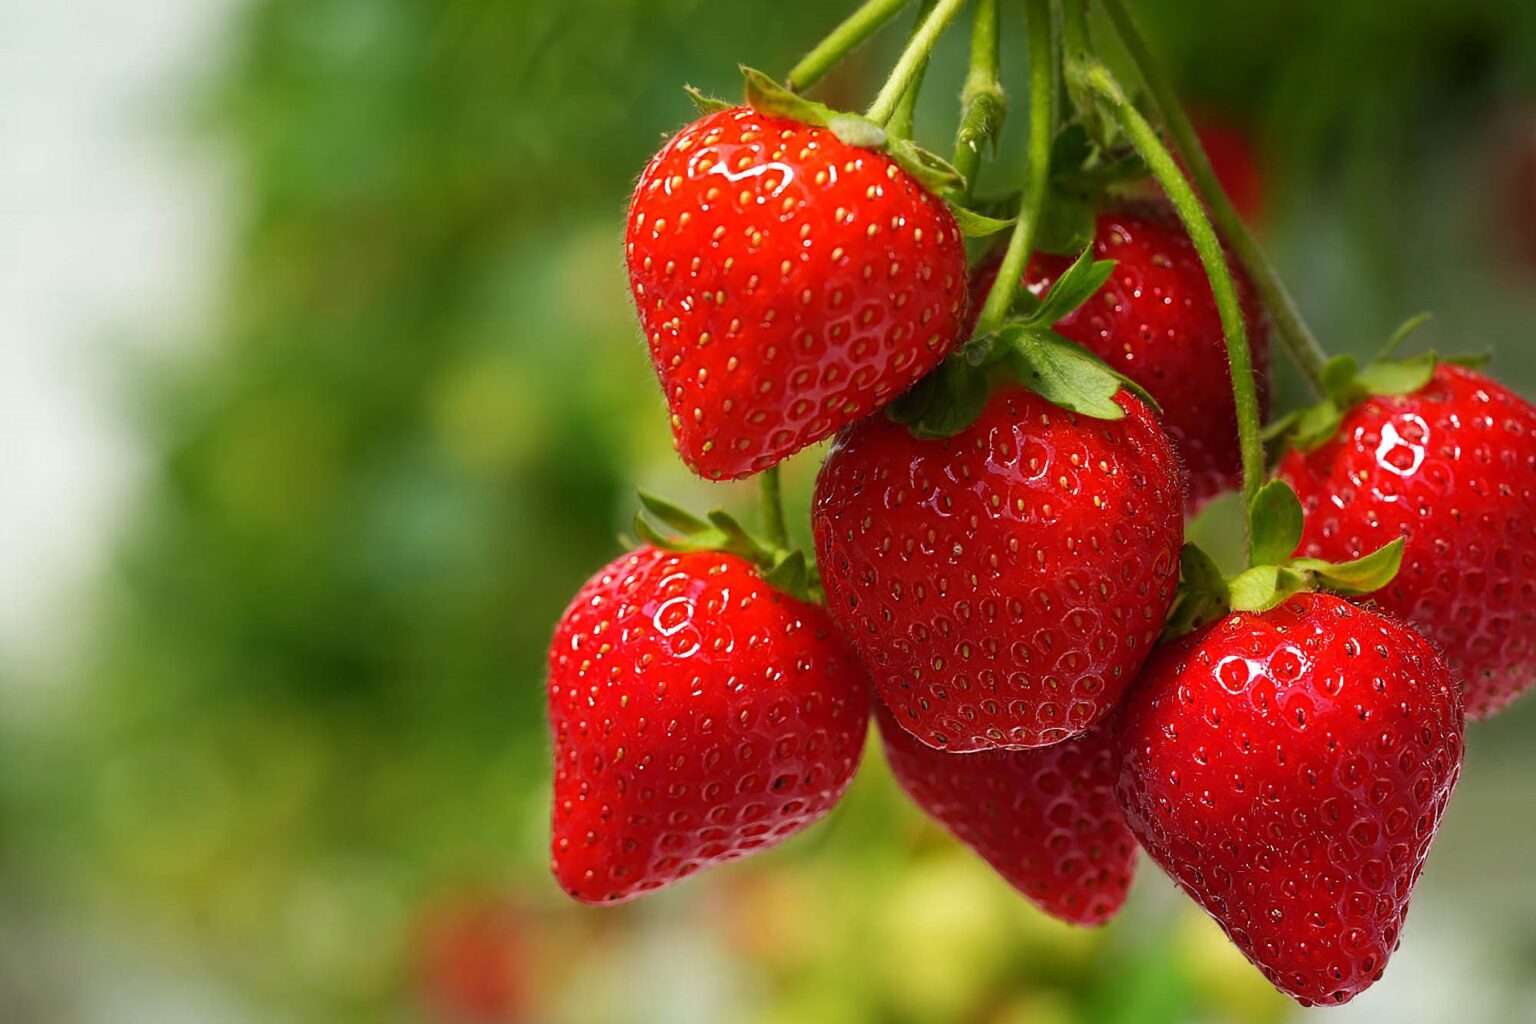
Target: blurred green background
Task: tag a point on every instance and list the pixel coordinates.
(289, 762)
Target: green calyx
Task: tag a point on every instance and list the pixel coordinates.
(929, 169)
(783, 568)
(1028, 350)
(1274, 529)
(1345, 383)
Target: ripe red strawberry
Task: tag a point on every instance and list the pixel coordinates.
(1155, 321)
(1045, 819)
(472, 961)
(698, 715)
(1236, 169)
(1002, 585)
(1289, 770)
(788, 284)
(1452, 467)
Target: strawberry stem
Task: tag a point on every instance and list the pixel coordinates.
(1299, 341)
(1098, 82)
(912, 60)
(1042, 127)
(900, 126)
(981, 102)
(842, 41)
(772, 498)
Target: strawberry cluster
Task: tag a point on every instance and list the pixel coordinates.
(1000, 578)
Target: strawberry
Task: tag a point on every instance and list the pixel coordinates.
(698, 715)
(1452, 467)
(1155, 321)
(1289, 769)
(1045, 819)
(788, 283)
(1237, 171)
(1004, 584)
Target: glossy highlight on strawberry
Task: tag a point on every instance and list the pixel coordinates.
(1045, 819)
(1452, 467)
(1289, 769)
(1002, 586)
(698, 715)
(788, 283)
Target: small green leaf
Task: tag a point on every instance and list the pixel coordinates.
(1274, 524)
(766, 95)
(706, 104)
(1361, 576)
(670, 514)
(857, 131)
(1316, 425)
(1397, 376)
(1338, 374)
(1400, 335)
(977, 225)
(1471, 360)
(943, 403)
(1061, 371)
(1081, 282)
(703, 540)
(1198, 571)
(1265, 586)
(932, 171)
(788, 574)
(1275, 429)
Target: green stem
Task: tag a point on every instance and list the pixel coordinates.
(772, 499)
(1098, 80)
(843, 40)
(1298, 340)
(982, 103)
(900, 125)
(912, 59)
(1042, 127)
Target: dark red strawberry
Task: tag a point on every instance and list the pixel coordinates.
(1155, 321)
(1289, 770)
(1045, 819)
(473, 962)
(1452, 467)
(1002, 585)
(1237, 171)
(698, 715)
(788, 284)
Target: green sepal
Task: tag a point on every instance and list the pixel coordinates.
(1397, 376)
(1080, 282)
(1274, 524)
(978, 225)
(1202, 595)
(930, 170)
(1263, 587)
(705, 103)
(785, 569)
(945, 402)
(1063, 372)
(1066, 224)
(1361, 576)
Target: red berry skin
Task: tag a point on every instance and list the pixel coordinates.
(1045, 819)
(1236, 168)
(698, 715)
(788, 284)
(1002, 586)
(1289, 770)
(1452, 468)
(1155, 321)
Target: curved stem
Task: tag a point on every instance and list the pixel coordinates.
(900, 125)
(1096, 78)
(843, 40)
(1042, 127)
(772, 498)
(912, 60)
(981, 102)
(1299, 341)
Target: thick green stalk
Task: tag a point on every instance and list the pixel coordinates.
(1298, 340)
(772, 499)
(1100, 83)
(913, 59)
(900, 125)
(1042, 128)
(981, 102)
(843, 40)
